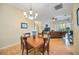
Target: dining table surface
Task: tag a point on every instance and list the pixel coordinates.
(35, 43)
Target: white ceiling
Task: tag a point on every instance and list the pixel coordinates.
(45, 10)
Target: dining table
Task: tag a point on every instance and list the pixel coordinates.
(35, 42)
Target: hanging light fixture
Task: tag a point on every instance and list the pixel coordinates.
(54, 19)
(30, 15)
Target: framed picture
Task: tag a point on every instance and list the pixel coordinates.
(78, 16)
(24, 25)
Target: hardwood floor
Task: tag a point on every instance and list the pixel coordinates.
(57, 47)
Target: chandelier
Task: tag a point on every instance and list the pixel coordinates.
(30, 15)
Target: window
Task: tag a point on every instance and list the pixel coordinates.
(61, 26)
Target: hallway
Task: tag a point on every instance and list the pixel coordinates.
(57, 47)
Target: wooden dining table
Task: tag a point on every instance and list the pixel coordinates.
(35, 43)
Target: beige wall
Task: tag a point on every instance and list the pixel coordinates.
(10, 21)
(76, 29)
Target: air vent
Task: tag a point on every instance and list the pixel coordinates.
(57, 7)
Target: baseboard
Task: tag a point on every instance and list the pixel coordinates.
(10, 45)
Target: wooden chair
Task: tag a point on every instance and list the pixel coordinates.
(24, 45)
(26, 34)
(45, 46)
(40, 35)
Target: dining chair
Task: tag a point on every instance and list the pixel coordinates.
(40, 35)
(27, 34)
(25, 45)
(45, 46)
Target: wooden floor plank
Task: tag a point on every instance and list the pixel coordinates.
(57, 47)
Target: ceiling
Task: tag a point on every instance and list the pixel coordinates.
(45, 10)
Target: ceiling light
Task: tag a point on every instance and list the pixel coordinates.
(30, 12)
(31, 15)
(36, 14)
(54, 19)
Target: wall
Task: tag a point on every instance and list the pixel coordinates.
(76, 29)
(10, 21)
